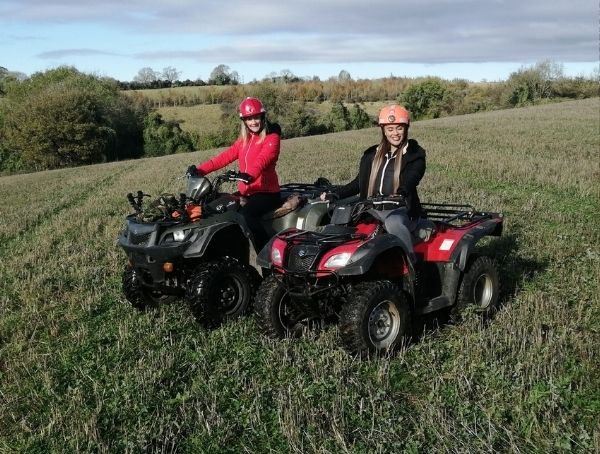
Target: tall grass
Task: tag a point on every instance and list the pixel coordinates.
(81, 371)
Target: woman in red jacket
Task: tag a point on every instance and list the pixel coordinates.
(257, 151)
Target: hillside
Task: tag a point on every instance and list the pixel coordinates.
(82, 371)
(206, 118)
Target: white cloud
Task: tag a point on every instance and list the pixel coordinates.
(316, 31)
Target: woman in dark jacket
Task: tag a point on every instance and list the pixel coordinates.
(392, 168)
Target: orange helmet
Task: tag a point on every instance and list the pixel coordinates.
(393, 115)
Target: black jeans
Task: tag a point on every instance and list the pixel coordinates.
(256, 206)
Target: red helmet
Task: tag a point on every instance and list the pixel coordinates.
(393, 115)
(250, 107)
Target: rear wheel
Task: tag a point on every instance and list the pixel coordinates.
(375, 319)
(221, 289)
(480, 287)
(138, 295)
(276, 314)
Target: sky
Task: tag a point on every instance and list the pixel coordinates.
(469, 39)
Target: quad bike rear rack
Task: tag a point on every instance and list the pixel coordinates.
(455, 215)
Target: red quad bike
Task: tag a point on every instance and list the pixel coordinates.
(352, 271)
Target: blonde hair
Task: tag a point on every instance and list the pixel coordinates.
(244, 134)
(385, 147)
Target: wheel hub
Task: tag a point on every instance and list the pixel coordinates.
(384, 324)
(230, 294)
(483, 291)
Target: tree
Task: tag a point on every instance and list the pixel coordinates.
(3, 76)
(344, 76)
(527, 85)
(425, 99)
(339, 118)
(358, 118)
(301, 121)
(170, 74)
(234, 78)
(275, 100)
(7, 77)
(146, 75)
(62, 118)
(222, 75)
(272, 77)
(164, 137)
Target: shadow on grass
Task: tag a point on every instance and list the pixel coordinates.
(512, 267)
(512, 271)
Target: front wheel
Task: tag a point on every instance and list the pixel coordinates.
(275, 312)
(480, 287)
(221, 289)
(375, 319)
(138, 295)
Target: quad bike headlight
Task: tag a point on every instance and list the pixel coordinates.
(178, 235)
(338, 260)
(276, 256)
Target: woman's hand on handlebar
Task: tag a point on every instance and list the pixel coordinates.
(328, 196)
(192, 171)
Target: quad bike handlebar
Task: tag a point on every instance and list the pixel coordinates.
(234, 175)
(230, 175)
(380, 203)
(387, 202)
(351, 213)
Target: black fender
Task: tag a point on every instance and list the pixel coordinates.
(234, 237)
(368, 253)
(467, 243)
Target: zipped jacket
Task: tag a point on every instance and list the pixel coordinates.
(411, 172)
(255, 158)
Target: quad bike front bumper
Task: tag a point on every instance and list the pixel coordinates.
(157, 265)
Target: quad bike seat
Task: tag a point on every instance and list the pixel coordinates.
(332, 229)
(423, 230)
(289, 204)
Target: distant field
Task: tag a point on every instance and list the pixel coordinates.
(80, 371)
(206, 117)
(201, 118)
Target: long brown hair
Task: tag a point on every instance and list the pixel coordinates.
(384, 147)
(245, 134)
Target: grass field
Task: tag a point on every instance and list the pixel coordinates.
(82, 371)
(203, 118)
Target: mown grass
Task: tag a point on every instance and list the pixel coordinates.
(82, 371)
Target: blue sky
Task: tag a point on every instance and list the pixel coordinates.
(471, 39)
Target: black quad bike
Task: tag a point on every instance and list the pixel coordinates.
(197, 246)
(355, 273)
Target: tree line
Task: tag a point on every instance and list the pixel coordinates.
(62, 117)
(428, 97)
(147, 78)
